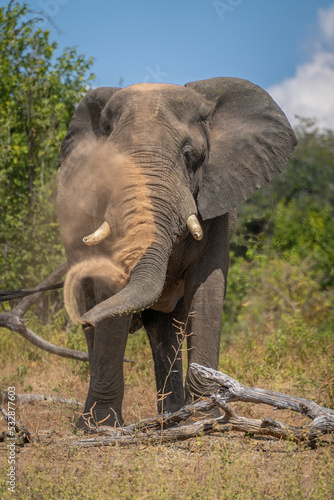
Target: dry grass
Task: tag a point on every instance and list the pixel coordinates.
(229, 466)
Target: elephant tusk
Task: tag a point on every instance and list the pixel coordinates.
(195, 227)
(98, 236)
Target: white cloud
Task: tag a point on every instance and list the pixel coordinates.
(310, 92)
(326, 22)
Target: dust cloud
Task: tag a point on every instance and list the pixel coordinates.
(96, 183)
(109, 279)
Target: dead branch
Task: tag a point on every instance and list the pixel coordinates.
(13, 320)
(37, 398)
(166, 428)
(232, 390)
(16, 324)
(165, 420)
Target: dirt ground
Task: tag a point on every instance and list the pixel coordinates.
(232, 465)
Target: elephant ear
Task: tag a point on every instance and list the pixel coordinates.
(85, 122)
(250, 141)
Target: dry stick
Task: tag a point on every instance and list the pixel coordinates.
(181, 335)
(12, 320)
(27, 302)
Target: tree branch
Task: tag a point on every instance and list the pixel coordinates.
(232, 390)
(16, 324)
(27, 302)
(164, 428)
(12, 320)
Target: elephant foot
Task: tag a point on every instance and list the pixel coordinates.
(202, 415)
(195, 390)
(90, 421)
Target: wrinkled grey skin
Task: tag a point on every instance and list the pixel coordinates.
(203, 148)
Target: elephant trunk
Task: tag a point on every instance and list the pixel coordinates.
(147, 278)
(144, 288)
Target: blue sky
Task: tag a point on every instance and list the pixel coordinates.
(285, 46)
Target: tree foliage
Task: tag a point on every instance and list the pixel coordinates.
(38, 95)
(282, 250)
(291, 218)
(282, 265)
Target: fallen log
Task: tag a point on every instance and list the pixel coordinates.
(167, 428)
(232, 390)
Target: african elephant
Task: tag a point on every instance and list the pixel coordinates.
(150, 178)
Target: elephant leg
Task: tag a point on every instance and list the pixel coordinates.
(204, 295)
(104, 401)
(106, 344)
(88, 301)
(166, 342)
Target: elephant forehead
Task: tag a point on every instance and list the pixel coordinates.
(148, 87)
(173, 97)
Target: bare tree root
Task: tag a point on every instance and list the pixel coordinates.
(166, 428)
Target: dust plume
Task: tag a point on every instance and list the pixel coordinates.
(108, 280)
(96, 183)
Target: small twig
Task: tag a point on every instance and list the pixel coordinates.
(181, 335)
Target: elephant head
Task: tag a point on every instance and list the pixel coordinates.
(144, 165)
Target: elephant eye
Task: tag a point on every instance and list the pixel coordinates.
(106, 126)
(188, 154)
